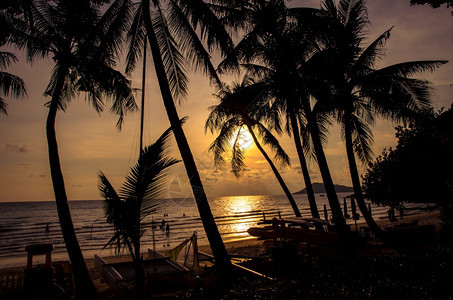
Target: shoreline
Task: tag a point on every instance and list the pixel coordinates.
(244, 247)
(236, 245)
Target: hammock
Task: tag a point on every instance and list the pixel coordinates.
(187, 244)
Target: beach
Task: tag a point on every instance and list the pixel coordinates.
(257, 248)
(250, 247)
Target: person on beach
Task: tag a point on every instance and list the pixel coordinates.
(401, 212)
(391, 214)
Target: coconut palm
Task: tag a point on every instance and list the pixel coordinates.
(171, 29)
(243, 106)
(82, 43)
(139, 197)
(359, 92)
(274, 49)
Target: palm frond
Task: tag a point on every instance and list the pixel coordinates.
(212, 30)
(172, 58)
(354, 16)
(3, 106)
(369, 57)
(145, 183)
(136, 38)
(6, 59)
(259, 71)
(237, 155)
(216, 117)
(242, 52)
(116, 213)
(190, 43)
(233, 14)
(111, 27)
(222, 143)
(406, 100)
(407, 69)
(269, 139)
(12, 85)
(103, 81)
(139, 196)
(362, 139)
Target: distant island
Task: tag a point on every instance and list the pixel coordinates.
(318, 187)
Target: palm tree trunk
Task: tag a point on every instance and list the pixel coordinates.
(139, 268)
(304, 168)
(215, 240)
(139, 280)
(340, 222)
(142, 107)
(84, 287)
(276, 173)
(357, 186)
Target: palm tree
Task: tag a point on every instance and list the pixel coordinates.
(82, 44)
(138, 198)
(242, 106)
(268, 51)
(173, 41)
(359, 92)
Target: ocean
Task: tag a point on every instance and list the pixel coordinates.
(24, 223)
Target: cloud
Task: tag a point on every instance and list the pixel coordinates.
(209, 179)
(16, 148)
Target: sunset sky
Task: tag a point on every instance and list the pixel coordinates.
(89, 142)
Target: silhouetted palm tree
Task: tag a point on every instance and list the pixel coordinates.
(139, 197)
(359, 92)
(171, 28)
(273, 49)
(245, 105)
(264, 53)
(82, 44)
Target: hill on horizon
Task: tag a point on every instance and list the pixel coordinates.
(318, 187)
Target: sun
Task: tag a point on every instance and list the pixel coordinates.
(244, 139)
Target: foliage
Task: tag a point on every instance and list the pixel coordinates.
(83, 41)
(139, 196)
(10, 85)
(420, 168)
(242, 106)
(433, 3)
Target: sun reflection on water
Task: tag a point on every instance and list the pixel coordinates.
(244, 211)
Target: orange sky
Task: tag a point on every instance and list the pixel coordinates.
(88, 142)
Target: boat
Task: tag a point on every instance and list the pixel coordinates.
(316, 237)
